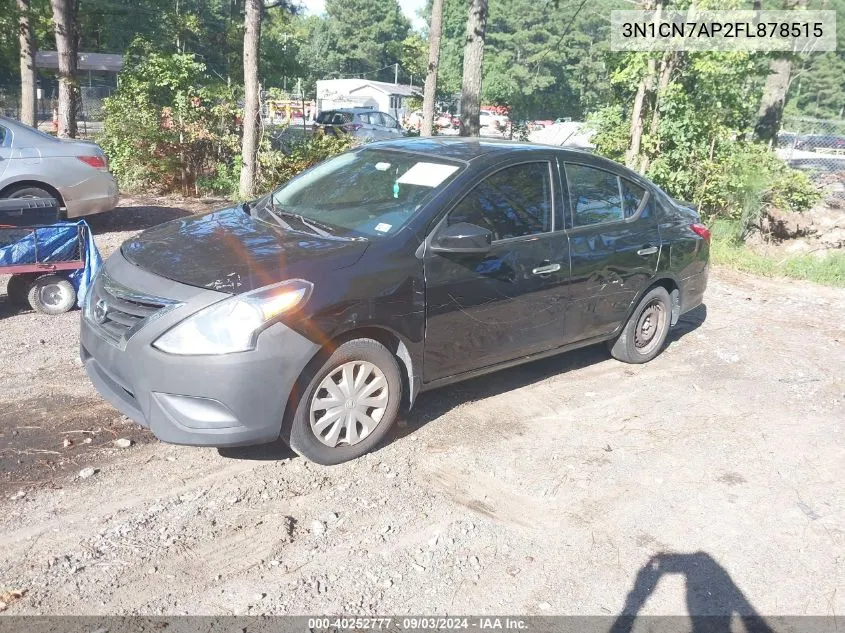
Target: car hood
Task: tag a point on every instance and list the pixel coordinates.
(230, 251)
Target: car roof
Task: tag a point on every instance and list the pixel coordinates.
(472, 149)
(352, 110)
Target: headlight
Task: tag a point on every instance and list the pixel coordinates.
(232, 325)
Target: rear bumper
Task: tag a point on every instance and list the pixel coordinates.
(229, 400)
(692, 290)
(96, 194)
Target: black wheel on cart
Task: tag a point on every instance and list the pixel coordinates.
(18, 288)
(51, 294)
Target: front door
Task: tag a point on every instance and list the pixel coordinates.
(614, 247)
(486, 309)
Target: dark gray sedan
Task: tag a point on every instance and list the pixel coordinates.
(313, 314)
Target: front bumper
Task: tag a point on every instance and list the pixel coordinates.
(229, 400)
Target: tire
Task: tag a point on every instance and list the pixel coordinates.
(28, 192)
(361, 357)
(51, 294)
(645, 332)
(17, 288)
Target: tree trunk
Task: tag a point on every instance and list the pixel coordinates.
(65, 27)
(770, 113)
(252, 36)
(632, 156)
(665, 68)
(27, 45)
(473, 56)
(430, 90)
(774, 97)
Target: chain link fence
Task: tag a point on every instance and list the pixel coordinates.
(89, 117)
(816, 146)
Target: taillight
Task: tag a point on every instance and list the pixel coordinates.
(701, 231)
(97, 162)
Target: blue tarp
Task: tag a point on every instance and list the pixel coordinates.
(56, 243)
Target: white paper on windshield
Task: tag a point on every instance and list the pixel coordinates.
(383, 227)
(427, 174)
(382, 166)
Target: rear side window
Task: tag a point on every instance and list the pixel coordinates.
(3, 134)
(594, 195)
(633, 196)
(513, 202)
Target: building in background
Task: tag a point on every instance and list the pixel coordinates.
(364, 93)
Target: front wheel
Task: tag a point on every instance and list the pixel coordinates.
(348, 405)
(645, 332)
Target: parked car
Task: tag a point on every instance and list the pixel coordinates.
(364, 123)
(312, 314)
(813, 142)
(36, 165)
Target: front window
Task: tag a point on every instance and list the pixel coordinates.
(513, 202)
(369, 192)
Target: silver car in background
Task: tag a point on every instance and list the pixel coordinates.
(36, 165)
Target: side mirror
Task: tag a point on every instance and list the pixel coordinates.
(462, 238)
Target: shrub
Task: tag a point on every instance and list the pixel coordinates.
(168, 125)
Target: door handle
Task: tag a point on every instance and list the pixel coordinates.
(648, 250)
(547, 269)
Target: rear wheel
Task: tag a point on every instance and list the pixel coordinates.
(27, 191)
(348, 405)
(645, 332)
(51, 294)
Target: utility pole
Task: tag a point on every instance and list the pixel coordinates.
(395, 73)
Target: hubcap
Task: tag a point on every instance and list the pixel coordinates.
(651, 322)
(349, 404)
(51, 295)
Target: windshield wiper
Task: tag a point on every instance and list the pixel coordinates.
(320, 229)
(314, 226)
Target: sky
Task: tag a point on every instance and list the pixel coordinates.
(409, 8)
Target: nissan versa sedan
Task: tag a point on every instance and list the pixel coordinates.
(316, 313)
(36, 165)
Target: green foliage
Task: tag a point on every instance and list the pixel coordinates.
(697, 151)
(539, 57)
(168, 124)
(365, 35)
(612, 131)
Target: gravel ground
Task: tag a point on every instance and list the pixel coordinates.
(708, 481)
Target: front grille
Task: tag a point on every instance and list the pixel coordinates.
(118, 312)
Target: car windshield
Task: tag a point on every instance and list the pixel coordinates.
(368, 192)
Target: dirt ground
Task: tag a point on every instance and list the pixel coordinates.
(707, 481)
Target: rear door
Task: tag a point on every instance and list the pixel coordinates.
(614, 248)
(485, 309)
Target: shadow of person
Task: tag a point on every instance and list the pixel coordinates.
(712, 596)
